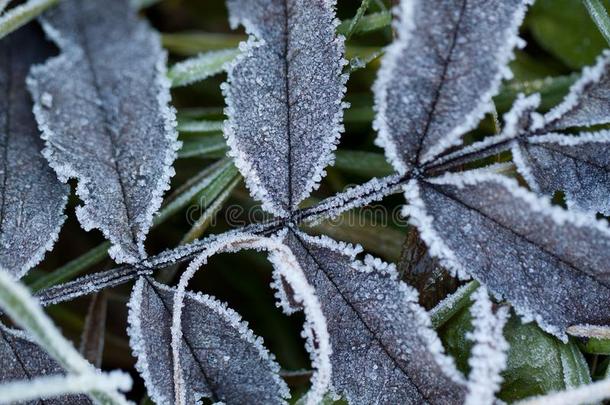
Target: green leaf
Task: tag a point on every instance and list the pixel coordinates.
(537, 362)
(22, 14)
(564, 29)
(200, 67)
(599, 15)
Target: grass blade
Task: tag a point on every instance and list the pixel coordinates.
(190, 125)
(22, 14)
(200, 67)
(599, 15)
(364, 24)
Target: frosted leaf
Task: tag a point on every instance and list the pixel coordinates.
(488, 355)
(577, 165)
(284, 98)
(288, 268)
(438, 77)
(103, 108)
(32, 200)
(551, 264)
(22, 359)
(221, 358)
(383, 347)
(516, 122)
(588, 101)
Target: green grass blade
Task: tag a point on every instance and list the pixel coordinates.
(190, 125)
(73, 268)
(599, 15)
(366, 164)
(367, 23)
(212, 146)
(451, 305)
(22, 14)
(353, 23)
(218, 194)
(210, 199)
(200, 67)
(193, 43)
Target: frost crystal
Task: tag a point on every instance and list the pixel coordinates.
(221, 358)
(22, 359)
(551, 264)
(284, 98)
(32, 199)
(384, 349)
(109, 124)
(438, 77)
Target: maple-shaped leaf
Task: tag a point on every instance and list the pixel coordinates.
(438, 77)
(284, 98)
(551, 264)
(103, 108)
(22, 359)
(220, 358)
(32, 200)
(383, 347)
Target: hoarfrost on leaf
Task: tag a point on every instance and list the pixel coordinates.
(488, 355)
(438, 77)
(284, 98)
(577, 165)
(587, 102)
(383, 347)
(32, 200)
(220, 357)
(22, 359)
(109, 124)
(288, 269)
(551, 264)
